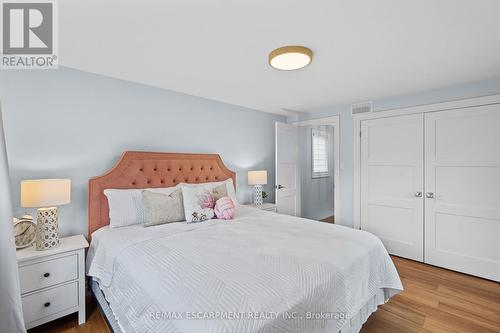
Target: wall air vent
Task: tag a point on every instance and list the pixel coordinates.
(363, 107)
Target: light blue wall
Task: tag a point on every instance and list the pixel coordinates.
(70, 124)
(476, 89)
(317, 194)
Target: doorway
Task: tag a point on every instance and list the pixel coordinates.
(318, 162)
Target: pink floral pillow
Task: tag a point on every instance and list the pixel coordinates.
(199, 204)
(224, 208)
(206, 200)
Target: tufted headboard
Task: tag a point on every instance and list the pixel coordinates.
(147, 170)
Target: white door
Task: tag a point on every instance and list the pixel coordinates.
(392, 183)
(287, 173)
(462, 219)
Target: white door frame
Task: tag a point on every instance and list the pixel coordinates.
(333, 121)
(451, 105)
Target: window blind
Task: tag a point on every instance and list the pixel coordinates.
(319, 154)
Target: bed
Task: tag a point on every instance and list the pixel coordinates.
(261, 272)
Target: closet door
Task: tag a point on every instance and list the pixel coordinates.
(462, 184)
(392, 183)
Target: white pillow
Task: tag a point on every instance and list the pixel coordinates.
(212, 185)
(126, 206)
(199, 203)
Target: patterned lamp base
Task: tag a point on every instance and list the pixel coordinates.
(47, 228)
(257, 195)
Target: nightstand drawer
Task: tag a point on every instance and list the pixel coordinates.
(50, 301)
(34, 276)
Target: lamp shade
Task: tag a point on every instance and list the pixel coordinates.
(258, 177)
(45, 192)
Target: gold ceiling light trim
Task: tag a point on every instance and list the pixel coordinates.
(289, 58)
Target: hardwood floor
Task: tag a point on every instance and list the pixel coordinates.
(435, 300)
(440, 301)
(330, 219)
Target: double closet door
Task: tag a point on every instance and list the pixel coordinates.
(430, 187)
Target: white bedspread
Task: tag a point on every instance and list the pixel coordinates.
(262, 272)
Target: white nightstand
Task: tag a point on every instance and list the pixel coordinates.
(53, 281)
(270, 207)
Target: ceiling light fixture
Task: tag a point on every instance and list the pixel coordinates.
(289, 58)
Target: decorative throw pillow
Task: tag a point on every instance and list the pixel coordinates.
(224, 208)
(218, 188)
(199, 203)
(220, 191)
(162, 208)
(126, 206)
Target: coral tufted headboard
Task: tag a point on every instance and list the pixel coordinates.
(147, 170)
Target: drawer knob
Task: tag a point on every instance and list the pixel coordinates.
(47, 304)
(46, 275)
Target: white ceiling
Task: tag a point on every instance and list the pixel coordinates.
(218, 48)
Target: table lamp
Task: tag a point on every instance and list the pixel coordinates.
(42, 193)
(257, 178)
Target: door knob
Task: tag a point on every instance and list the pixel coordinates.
(418, 194)
(279, 187)
(429, 195)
